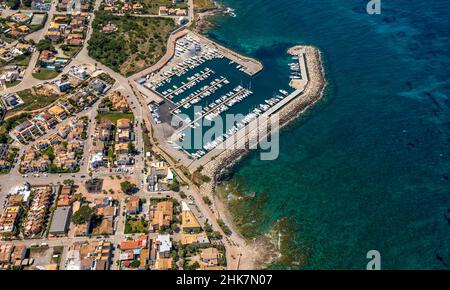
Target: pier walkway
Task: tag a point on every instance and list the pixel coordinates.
(195, 95)
(204, 74)
(232, 97)
(299, 51)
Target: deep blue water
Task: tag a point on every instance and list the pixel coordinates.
(368, 167)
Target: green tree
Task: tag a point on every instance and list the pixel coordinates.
(44, 44)
(49, 152)
(69, 182)
(83, 215)
(131, 147)
(13, 4)
(181, 253)
(27, 3)
(175, 185)
(206, 200)
(183, 195)
(208, 228)
(193, 266)
(128, 187)
(53, 168)
(4, 139)
(134, 264)
(224, 227)
(215, 235)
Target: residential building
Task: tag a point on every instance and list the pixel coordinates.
(63, 86)
(121, 148)
(123, 159)
(79, 73)
(34, 161)
(161, 216)
(97, 159)
(200, 239)
(23, 18)
(139, 243)
(58, 112)
(38, 212)
(10, 214)
(4, 151)
(47, 119)
(98, 86)
(89, 256)
(28, 130)
(164, 264)
(123, 124)
(210, 256)
(164, 245)
(65, 197)
(5, 253)
(189, 222)
(109, 28)
(103, 202)
(134, 205)
(123, 136)
(9, 77)
(119, 102)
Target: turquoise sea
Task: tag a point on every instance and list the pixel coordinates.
(368, 167)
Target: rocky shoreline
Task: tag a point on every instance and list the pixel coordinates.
(202, 22)
(220, 167)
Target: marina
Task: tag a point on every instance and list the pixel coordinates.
(219, 106)
(254, 125)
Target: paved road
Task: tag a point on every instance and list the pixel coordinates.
(66, 242)
(232, 248)
(28, 80)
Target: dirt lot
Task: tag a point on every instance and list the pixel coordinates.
(44, 256)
